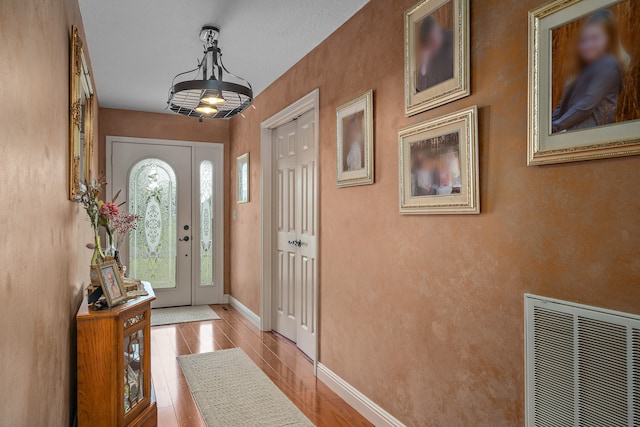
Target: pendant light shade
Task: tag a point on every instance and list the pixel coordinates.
(213, 97)
(206, 110)
(213, 92)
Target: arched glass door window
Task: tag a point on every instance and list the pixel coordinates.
(152, 247)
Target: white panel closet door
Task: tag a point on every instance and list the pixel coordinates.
(295, 285)
(307, 227)
(284, 291)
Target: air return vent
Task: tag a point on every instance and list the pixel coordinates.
(583, 365)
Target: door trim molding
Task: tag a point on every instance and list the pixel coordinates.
(307, 103)
(220, 186)
(361, 403)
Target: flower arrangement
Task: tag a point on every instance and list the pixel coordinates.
(91, 202)
(108, 211)
(117, 224)
(89, 197)
(123, 224)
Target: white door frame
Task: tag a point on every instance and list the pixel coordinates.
(218, 262)
(267, 224)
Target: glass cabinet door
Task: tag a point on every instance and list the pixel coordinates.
(134, 369)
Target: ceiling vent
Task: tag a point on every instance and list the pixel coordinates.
(582, 365)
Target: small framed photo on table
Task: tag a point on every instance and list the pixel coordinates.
(112, 283)
(439, 165)
(584, 81)
(242, 178)
(355, 141)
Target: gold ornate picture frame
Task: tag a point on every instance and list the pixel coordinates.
(80, 118)
(566, 121)
(439, 165)
(355, 155)
(436, 57)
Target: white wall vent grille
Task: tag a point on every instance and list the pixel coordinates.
(582, 365)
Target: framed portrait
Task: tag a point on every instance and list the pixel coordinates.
(80, 118)
(355, 141)
(242, 179)
(584, 80)
(439, 165)
(112, 283)
(436, 54)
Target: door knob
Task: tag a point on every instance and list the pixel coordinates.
(184, 239)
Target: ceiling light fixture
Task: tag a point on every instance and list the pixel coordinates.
(207, 94)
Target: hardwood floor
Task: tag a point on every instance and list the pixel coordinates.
(278, 358)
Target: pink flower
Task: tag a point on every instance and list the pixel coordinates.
(123, 224)
(109, 210)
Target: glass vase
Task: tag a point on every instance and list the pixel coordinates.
(110, 250)
(98, 255)
(116, 257)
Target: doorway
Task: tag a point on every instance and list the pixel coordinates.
(176, 189)
(289, 224)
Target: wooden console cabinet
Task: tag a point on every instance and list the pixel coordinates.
(114, 371)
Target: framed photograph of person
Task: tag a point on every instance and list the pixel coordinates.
(355, 141)
(242, 178)
(436, 54)
(584, 80)
(112, 283)
(439, 165)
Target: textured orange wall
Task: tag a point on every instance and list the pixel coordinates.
(245, 229)
(424, 314)
(44, 265)
(138, 124)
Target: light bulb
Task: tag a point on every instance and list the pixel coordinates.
(212, 98)
(206, 109)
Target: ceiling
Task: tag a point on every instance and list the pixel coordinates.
(138, 46)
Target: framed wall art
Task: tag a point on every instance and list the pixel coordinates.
(80, 118)
(242, 179)
(439, 165)
(112, 283)
(355, 142)
(584, 80)
(436, 54)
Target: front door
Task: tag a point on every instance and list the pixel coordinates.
(177, 190)
(296, 192)
(155, 182)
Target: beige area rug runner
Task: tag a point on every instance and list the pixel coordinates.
(173, 315)
(232, 391)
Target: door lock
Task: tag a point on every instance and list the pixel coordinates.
(297, 243)
(185, 239)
